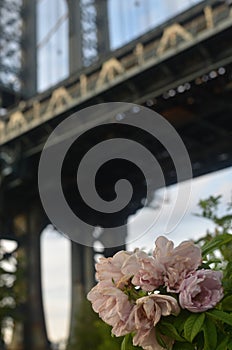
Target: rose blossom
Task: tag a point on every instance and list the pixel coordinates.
(145, 271)
(146, 314)
(177, 262)
(201, 291)
(109, 269)
(107, 297)
(113, 307)
(148, 340)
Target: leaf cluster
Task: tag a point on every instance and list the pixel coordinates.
(91, 332)
(12, 286)
(210, 330)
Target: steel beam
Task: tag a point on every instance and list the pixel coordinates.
(29, 50)
(82, 278)
(75, 42)
(30, 331)
(102, 28)
(88, 32)
(10, 45)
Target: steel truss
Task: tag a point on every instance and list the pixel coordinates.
(88, 32)
(11, 27)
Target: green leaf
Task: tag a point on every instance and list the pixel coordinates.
(229, 345)
(209, 206)
(183, 346)
(227, 303)
(221, 316)
(126, 342)
(169, 330)
(193, 326)
(223, 344)
(179, 321)
(210, 334)
(216, 243)
(160, 340)
(124, 345)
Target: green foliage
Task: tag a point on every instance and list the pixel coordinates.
(12, 286)
(183, 346)
(211, 330)
(170, 330)
(221, 316)
(209, 207)
(218, 244)
(193, 325)
(127, 343)
(210, 334)
(91, 332)
(223, 343)
(227, 303)
(107, 340)
(8, 268)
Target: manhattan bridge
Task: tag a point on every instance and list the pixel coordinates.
(174, 60)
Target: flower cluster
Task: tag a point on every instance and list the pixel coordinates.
(135, 291)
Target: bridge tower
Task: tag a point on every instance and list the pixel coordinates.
(22, 218)
(89, 42)
(18, 50)
(88, 32)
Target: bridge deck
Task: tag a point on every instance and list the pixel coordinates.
(182, 70)
(177, 52)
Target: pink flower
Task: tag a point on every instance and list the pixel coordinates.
(145, 271)
(113, 307)
(177, 262)
(109, 269)
(146, 314)
(148, 340)
(201, 291)
(108, 298)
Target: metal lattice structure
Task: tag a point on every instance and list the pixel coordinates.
(17, 50)
(88, 32)
(10, 50)
(10, 43)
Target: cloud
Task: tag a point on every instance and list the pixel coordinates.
(218, 183)
(56, 283)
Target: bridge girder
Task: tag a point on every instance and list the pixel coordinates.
(88, 33)
(207, 132)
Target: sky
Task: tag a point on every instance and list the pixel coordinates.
(128, 19)
(131, 18)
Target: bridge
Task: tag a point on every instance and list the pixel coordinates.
(181, 69)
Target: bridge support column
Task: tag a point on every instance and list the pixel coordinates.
(82, 281)
(88, 33)
(83, 271)
(114, 240)
(82, 263)
(29, 50)
(35, 322)
(75, 36)
(32, 329)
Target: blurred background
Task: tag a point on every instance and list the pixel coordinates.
(58, 57)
